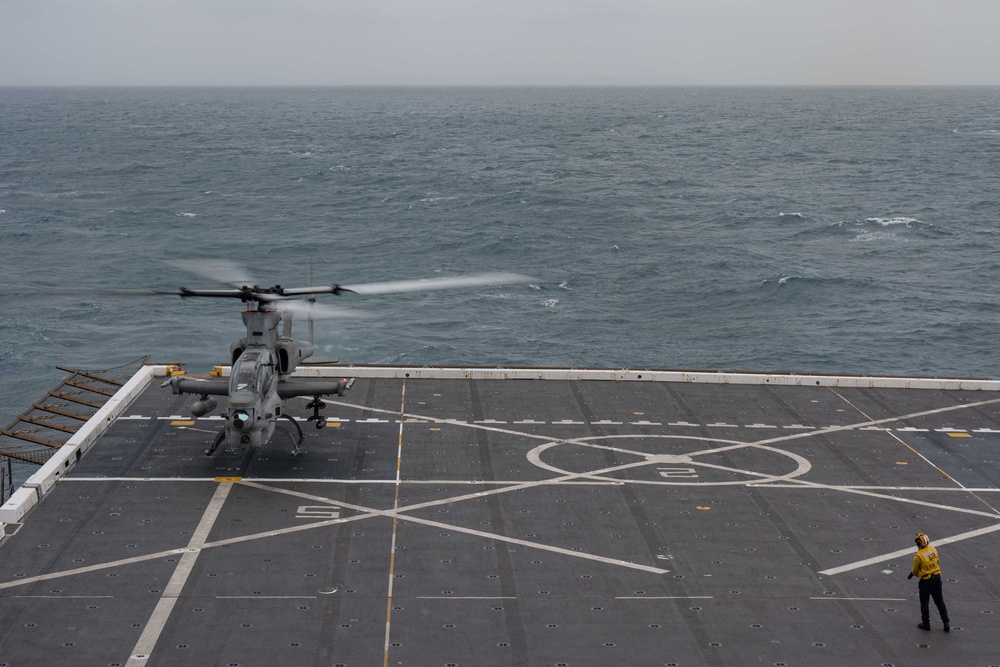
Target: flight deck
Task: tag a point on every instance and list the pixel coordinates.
(469, 520)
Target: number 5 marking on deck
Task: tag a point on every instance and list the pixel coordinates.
(317, 512)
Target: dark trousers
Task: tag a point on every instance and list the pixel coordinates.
(931, 588)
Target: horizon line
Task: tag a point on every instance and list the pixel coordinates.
(499, 85)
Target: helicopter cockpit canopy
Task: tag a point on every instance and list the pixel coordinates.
(252, 372)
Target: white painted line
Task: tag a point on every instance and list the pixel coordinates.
(138, 479)
(862, 599)
(681, 424)
(798, 426)
(89, 568)
(528, 421)
(949, 489)
(722, 425)
(321, 480)
(395, 524)
(465, 597)
(533, 545)
(761, 426)
(171, 592)
(913, 429)
(908, 551)
(985, 430)
(927, 460)
(606, 422)
(898, 499)
(402, 513)
(645, 423)
(490, 421)
(564, 422)
(886, 420)
(950, 430)
(666, 597)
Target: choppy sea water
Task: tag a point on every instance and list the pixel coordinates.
(850, 230)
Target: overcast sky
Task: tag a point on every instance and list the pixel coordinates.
(499, 42)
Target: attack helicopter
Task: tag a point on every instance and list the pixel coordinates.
(263, 361)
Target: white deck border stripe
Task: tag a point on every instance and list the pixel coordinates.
(647, 375)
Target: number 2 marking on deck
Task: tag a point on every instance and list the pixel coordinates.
(677, 472)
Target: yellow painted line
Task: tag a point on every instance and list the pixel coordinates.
(228, 479)
(333, 424)
(435, 428)
(901, 463)
(182, 423)
(903, 442)
(960, 435)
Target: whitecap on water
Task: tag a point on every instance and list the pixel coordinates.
(898, 220)
(550, 303)
(875, 236)
(186, 215)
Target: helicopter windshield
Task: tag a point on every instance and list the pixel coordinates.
(244, 370)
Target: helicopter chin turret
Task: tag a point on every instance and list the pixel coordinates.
(242, 420)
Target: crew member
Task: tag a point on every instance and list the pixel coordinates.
(927, 568)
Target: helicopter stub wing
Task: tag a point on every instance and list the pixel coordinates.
(293, 388)
(181, 385)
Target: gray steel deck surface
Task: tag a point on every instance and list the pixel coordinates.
(534, 523)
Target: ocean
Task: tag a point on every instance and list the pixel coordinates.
(834, 230)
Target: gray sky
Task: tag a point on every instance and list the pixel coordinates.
(493, 42)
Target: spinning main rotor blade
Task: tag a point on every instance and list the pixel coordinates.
(398, 286)
(281, 298)
(316, 310)
(97, 291)
(220, 270)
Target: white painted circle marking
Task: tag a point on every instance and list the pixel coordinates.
(803, 465)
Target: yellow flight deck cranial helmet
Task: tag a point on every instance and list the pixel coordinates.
(922, 540)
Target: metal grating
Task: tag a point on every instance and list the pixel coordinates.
(37, 432)
(6, 479)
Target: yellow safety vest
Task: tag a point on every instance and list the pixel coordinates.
(925, 562)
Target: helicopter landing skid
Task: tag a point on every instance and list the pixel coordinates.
(295, 443)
